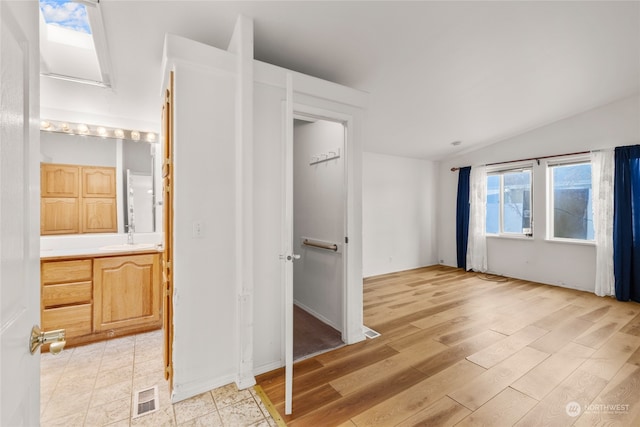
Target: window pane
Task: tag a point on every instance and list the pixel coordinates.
(517, 199)
(493, 204)
(572, 213)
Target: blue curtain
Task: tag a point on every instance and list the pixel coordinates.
(626, 223)
(462, 216)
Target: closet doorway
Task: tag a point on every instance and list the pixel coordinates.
(319, 206)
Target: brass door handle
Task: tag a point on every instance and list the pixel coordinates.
(39, 337)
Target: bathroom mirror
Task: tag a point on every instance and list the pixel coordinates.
(135, 171)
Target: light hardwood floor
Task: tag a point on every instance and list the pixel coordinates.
(459, 350)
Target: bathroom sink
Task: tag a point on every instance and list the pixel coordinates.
(128, 247)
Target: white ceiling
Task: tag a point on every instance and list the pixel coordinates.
(436, 72)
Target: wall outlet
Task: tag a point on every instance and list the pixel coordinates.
(198, 229)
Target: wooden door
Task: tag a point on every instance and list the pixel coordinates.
(167, 261)
(19, 198)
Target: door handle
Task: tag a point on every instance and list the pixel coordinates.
(38, 337)
(291, 257)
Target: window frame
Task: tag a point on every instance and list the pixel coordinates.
(550, 208)
(501, 170)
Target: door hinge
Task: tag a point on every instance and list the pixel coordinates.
(346, 239)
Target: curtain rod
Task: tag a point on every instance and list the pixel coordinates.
(532, 158)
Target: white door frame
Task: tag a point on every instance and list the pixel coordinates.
(349, 336)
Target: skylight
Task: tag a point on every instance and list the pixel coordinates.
(72, 42)
(66, 14)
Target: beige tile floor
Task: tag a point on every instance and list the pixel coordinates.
(93, 385)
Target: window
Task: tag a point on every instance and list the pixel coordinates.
(570, 213)
(73, 43)
(509, 202)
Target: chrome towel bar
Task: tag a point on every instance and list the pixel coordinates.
(330, 247)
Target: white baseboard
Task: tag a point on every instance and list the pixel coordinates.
(318, 316)
(194, 388)
(268, 367)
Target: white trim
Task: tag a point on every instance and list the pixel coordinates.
(513, 236)
(352, 303)
(267, 367)
(317, 315)
(582, 242)
(549, 193)
(186, 390)
(506, 167)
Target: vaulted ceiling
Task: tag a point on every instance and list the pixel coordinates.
(437, 72)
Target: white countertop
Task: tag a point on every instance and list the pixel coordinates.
(55, 253)
(97, 245)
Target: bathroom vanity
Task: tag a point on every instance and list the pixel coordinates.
(101, 293)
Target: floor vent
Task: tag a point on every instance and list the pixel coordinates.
(370, 333)
(145, 401)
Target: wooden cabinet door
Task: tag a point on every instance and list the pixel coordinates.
(59, 216)
(126, 291)
(98, 182)
(99, 215)
(59, 180)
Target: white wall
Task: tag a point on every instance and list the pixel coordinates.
(77, 149)
(205, 334)
(399, 211)
(268, 178)
(564, 264)
(318, 211)
(208, 323)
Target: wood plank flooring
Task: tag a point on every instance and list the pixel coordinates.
(459, 350)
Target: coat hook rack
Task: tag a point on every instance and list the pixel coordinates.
(324, 157)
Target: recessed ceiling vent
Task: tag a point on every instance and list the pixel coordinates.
(145, 401)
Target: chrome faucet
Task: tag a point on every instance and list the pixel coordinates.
(131, 230)
(132, 222)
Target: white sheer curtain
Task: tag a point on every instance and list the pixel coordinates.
(477, 246)
(602, 173)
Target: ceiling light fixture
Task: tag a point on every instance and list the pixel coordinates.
(101, 131)
(151, 137)
(118, 133)
(45, 125)
(135, 135)
(83, 129)
(64, 127)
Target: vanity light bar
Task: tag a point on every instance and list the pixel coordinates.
(101, 131)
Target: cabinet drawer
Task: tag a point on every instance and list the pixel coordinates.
(66, 271)
(76, 320)
(66, 293)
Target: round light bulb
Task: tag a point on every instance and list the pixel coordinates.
(119, 133)
(135, 135)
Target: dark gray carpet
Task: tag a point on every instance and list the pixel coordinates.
(311, 335)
